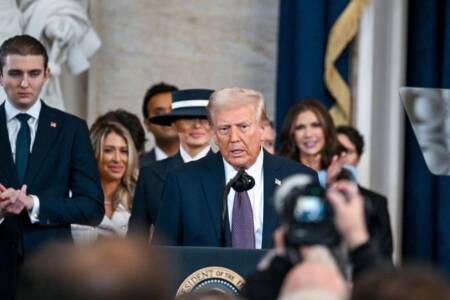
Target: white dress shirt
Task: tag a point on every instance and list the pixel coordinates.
(159, 153)
(187, 158)
(256, 195)
(13, 125)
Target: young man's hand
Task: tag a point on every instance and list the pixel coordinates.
(13, 201)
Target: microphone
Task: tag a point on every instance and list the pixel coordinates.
(241, 182)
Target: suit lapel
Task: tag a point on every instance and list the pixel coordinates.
(152, 155)
(213, 181)
(174, 162)
(48, 128)
(7, 167)
(271, 220)
(162, 167)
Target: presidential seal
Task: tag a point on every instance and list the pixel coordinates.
(219, 278)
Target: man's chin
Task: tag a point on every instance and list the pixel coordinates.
(167, 139)
(23, 103)
(238, 163)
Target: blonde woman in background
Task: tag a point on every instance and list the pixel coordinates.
(117, 162)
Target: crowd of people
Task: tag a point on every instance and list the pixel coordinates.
(60, 181)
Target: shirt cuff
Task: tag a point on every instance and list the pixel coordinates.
(322, 174)
(34, 213)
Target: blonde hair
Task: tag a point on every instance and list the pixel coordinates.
(235, 97)
(125, 192)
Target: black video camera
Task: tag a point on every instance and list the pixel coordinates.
(306, 213)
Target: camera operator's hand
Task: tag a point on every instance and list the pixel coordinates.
(280, 245)
(335, 168)
(349, 213)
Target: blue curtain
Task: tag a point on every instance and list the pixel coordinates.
(302, 41)
(426, 220)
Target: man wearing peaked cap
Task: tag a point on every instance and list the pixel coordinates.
(194, 211)
(190, 119)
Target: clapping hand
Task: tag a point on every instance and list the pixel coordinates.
(12, 201)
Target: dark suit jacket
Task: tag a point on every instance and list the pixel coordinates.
(147, 197)
(191, 208)
(62, 160)
(378, 221)
(9, 232)
(147, 158)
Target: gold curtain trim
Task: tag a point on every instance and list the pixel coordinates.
(341, 34)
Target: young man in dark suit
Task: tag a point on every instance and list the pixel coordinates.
(378, 223)
(190, 120)
(48, 173)
(193, 210)
(158, 101)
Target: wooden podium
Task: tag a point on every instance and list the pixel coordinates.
(195, 268)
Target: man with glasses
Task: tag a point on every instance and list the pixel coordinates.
(378, 221)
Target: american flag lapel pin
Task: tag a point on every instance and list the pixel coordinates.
(53, 124)
(277, 181)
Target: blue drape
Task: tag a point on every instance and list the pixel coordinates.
(426, 222)
(303, 34)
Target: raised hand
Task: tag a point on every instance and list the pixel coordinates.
(335, 168)
(349, 218)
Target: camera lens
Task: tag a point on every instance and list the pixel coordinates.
(309, 209)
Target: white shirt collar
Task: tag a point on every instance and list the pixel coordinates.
(255, 170)
(159, 153)
(187, 158)
(12, 112)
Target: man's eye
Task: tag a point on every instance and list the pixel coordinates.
(223, 130)
(14, 73)
(36, 73)
(244, 127)
(159, 112)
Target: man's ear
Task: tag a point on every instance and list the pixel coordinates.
(47, 73)
(261, 128)
(214, 136)
(147, 124)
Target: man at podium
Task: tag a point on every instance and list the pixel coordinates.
(195, 209)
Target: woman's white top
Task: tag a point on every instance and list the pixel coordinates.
(116, 226)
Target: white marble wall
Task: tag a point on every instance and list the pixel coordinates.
(191, 43)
